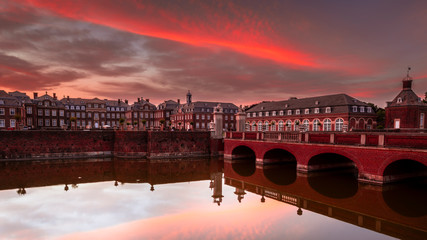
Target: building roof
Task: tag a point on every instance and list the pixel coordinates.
(141, 103)
(337, 100)
(406, 97)
(168, 105)
(9, 100)
(200, 106)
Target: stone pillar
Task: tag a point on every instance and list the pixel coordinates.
(381, 140)
(218, 117)
(240, 120)
(363, 139)
(217, 187)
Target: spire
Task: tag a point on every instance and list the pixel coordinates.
(407, 81)
(188, 97)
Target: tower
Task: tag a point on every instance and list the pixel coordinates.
(188, 98)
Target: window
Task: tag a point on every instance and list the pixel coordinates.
(197, 116)
(274, 113)
(266, 124)
(102, 115)
(399, 100)
(89, 105)
(354, 108)
(40, 112)
(422, 120)
(46, 104)
(306, 124)
(281, 113)
(288, 125)
(72, 107)
(209, 117)
(267, 114)
(248, 114)
(67, 107)
(53, 113)
(40, 104)
(73, 114)
(12, 123)
(54, 123)
(260, 114)
(29, 121)
(203, 117)
(289, 112)
(61, 113)
(47, 122)
(89, 115)
(2, 124)
(328, 110)
(1, 101)
(316, 110)
(362, 109)
(369, 109)
(95, 105)
(29, 110)
(1, 111)
(83, 107)
(47, 112)
(327, 124)
(226, 117)
(40, 122)
(203, 125)
(122, 109)
(307, 111)
(339, 124)
(231, 117)
(78, 114)
(280, 125)
(77, 108)
(316, 125)
(253, 114)
(197, 125)
(61, 122)
(259, 126)
(12, 111)
(297, 112)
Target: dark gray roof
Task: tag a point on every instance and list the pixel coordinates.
(200, 106)
(168, 105)
(139, 105)
(408, 97)
(74, 101)
(336, 100)
(9, 100)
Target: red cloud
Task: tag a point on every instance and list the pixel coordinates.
(199, 23)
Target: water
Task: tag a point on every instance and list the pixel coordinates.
(199, 199)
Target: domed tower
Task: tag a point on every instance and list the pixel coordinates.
(407, 110)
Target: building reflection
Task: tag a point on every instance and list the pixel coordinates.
(397, 210)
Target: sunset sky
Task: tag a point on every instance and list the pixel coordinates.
(232, 51)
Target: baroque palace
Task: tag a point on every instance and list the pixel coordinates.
(338, 112)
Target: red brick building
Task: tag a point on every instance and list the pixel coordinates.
(198, 115)
(11, 111)
(49, 112)
(407, 110)
(142, 114)
(164, 112)
(338, 112)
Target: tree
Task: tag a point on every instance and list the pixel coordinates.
(380, 112)
(425, 97)
(162, 122)
(18, 119)
(73, 122)
(121, 122)
(143, 121)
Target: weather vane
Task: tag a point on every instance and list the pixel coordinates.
(409, 69)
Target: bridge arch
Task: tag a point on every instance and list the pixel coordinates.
(243, 152)
(325, 160)
(403, 167)
(278, 155)
(243, 160)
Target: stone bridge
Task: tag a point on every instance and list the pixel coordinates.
(379, 158)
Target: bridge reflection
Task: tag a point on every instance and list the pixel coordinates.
(397, 210)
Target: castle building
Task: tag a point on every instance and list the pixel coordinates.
(338, 112)
(407, 110)
(49, 112)
(11, 111)
(141, 114)
(163, 113)
(197, 115)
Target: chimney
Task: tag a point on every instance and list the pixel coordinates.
(407, 84)
(118, 101)
(179, 102)
(54, 96)
(148, 100)
(139, 100)
(126, 101)
(35, 95)
(68, 98)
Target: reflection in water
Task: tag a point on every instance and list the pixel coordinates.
(334, 183)
(281, 174)
(244, 168)
(408, 198)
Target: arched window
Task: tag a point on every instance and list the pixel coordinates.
(327, 124)
(288, 125)
(339, 123)
(273, 126)
(248, 126)
(253, 126)
(362, 124)
(316, 125)
(259, 126)
(266, 126)
(281, 125)
(296, 125)
(306, 125)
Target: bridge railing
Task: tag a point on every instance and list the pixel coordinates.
(404, 140)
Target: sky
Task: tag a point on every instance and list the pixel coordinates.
(230, 51)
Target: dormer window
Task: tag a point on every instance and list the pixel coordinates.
(281, 113)
(317, 103)
(307, 111)
(297, 112)
(362, 109)
(316, 110)
(1, 102)
(354, 108)
(328, 110)
(260, 114)
(274, 113)
(267, 114)
(369, 109)
(253, 114)
(399, 100)
(249, 115)
(289, 112)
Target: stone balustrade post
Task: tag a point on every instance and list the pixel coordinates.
(332, 138)
(381, 140)
(363, 139)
